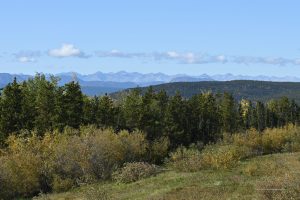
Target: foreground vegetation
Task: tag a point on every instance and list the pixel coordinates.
(266, 177)
(59, 162)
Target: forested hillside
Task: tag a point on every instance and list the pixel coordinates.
(242, 89)
(40, 104)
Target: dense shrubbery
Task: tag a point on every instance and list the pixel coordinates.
(229, 151)
(60, 161)
(221, 156)
(186, 159)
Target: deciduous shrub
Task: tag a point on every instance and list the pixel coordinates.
(159, 150)
(21, 168)
(250, 142)
(285, 139)
(62, 185)
(59, 161)
(186, 159)
(273, 141)
(221, 156)
(131, 172)
(134, 145)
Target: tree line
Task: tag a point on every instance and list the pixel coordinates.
(42, 105)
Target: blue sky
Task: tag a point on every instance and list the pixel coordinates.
(248, 37)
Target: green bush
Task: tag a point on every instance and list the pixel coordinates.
(186, 160)
(135, 171)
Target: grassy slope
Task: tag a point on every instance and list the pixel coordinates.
(236, 183)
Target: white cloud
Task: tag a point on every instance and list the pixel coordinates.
(297, 61)
(66, 50)
(200, 58)
(120, 54)
(189, 58)
(25, 59)
(221, 58)
(27, 56)
(173, 54)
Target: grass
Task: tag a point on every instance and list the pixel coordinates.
(240, 182)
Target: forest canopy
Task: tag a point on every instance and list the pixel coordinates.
(41, 105)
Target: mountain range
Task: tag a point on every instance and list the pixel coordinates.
(100, 83)
(158, 78)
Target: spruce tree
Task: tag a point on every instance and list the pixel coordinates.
(131, 109)
(105, 115)
(72, 104)
(90, 109)
(150, 115)
(177, 122)
(259, 116)
(45, 103)
(228, 113)
(11, 109)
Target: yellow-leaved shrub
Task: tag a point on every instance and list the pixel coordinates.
(185, 159)
(60, 161)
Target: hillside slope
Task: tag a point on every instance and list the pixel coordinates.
(253, 90)
(251, 179)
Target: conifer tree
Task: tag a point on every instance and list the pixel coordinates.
(90, 109)
(11, 109)
(259, 116)
(131, 109)
(72, 104)
(45, 103)
(294, 112)
(28, 106)
(177, 122)
(150, 121)
(204, 120)
(228, 113)
(105, 115)
(271, 113)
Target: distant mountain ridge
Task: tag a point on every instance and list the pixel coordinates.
(240, 89)
(136, 77)
(99, 83)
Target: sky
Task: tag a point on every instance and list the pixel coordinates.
(247, 37)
